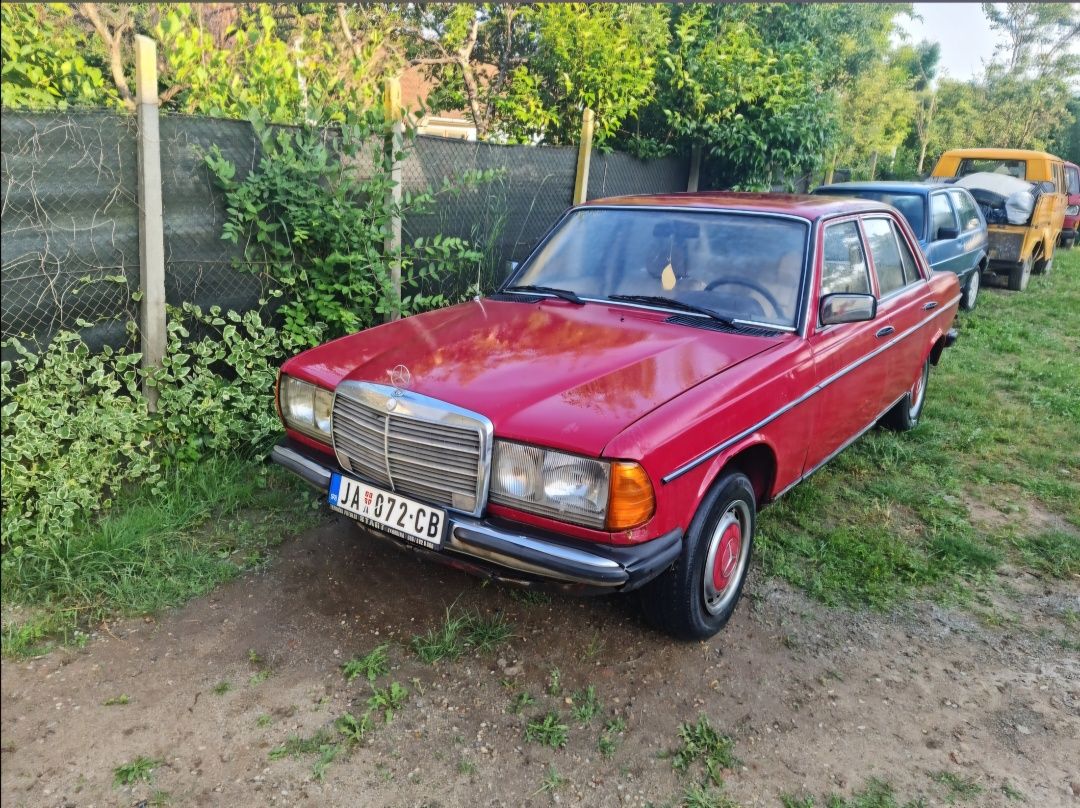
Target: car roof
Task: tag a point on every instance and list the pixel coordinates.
(897, 186)
(1001, 154)
(802, 205)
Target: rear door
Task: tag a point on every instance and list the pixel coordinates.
(902, 300)
(850, 399)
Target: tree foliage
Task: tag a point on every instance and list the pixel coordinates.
(770, 90)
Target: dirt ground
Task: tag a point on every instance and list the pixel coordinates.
(817, 700)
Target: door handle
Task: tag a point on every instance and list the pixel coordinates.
(931, 305)
(884, 332)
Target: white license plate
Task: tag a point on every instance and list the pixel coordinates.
(399, 516)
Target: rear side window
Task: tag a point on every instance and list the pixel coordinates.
(844, 269)
(966, 210)
(1072, 180)
(941, 215)
(911, 269)
(885, 250)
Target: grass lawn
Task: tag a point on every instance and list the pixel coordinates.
(152, 550)
(990, 477)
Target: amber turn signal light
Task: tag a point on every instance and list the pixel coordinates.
(631, 501)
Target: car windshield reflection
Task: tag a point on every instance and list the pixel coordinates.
(747, 268)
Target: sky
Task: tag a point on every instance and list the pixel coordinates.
(962, 31)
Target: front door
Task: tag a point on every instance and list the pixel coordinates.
(853, 386)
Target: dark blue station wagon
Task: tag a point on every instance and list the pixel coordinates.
(946, 220)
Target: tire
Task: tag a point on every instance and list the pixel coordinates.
(970, 296)
(695, 597)
(1043, 267)
(1019, 275)
(905, 415)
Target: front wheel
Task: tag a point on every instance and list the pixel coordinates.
(905, 415)
(1043, 266)
(1019, 275)
(696, 597)
(971, 290)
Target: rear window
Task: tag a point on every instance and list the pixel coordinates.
(911, 205)
(1014, 168)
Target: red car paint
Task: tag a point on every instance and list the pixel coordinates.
(1070, 228)
(618, 382)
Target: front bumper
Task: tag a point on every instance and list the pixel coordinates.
(505, 551)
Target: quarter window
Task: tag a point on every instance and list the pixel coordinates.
(911, 268)
(968, 213)
(885, 251)
(941, 215)
(844, 269)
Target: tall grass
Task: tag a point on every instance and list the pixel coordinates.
(152, 549)
(1000, 436)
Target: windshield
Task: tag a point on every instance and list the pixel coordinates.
(743, 267)
(911, 205)
(1011, 168)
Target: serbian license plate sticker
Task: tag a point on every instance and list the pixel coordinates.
(390, 513)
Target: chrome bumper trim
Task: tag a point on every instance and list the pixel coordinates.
(611, 567)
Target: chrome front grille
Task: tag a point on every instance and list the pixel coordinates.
(412, 444)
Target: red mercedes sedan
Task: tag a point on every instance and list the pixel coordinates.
(613, 418)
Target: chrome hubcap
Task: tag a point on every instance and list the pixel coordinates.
(918, 390)
(725, 562)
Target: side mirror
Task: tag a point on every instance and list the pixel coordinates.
(947, 233)
(846, 307)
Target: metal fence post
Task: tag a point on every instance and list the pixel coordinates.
(584, 157)
(695, 168)
(151, 229)
(395, 141)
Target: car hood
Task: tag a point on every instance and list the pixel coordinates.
(566, 376)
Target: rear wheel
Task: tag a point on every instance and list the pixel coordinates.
(1019, 275)
(695, 598)
(905, 415)
(971, 290)
(1043, 266)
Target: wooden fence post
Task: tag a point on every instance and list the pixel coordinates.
(695, 168)
(584, 157)
(151, 227)
(395, 141)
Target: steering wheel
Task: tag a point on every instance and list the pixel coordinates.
(761, 291)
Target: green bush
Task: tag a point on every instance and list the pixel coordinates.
(76, 427)
(313, 216)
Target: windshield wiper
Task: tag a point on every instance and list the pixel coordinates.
(562, 294)
(674, 304)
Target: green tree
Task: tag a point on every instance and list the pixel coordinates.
(45, 61)
(755, 108)
(1028, 85)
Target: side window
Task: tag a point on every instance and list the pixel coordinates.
(965, 208)
(885, 251)
(941, 215)
(844, 268)
(911, 268)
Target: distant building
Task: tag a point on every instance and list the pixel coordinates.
(416, 87)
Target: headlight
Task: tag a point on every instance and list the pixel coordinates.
(594, 493)
(1072, 210)
(305, 407)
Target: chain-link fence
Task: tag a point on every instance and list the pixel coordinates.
(70, 213)
(506, 214)
(70, 224)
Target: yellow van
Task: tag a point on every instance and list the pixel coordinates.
(1015, 250)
